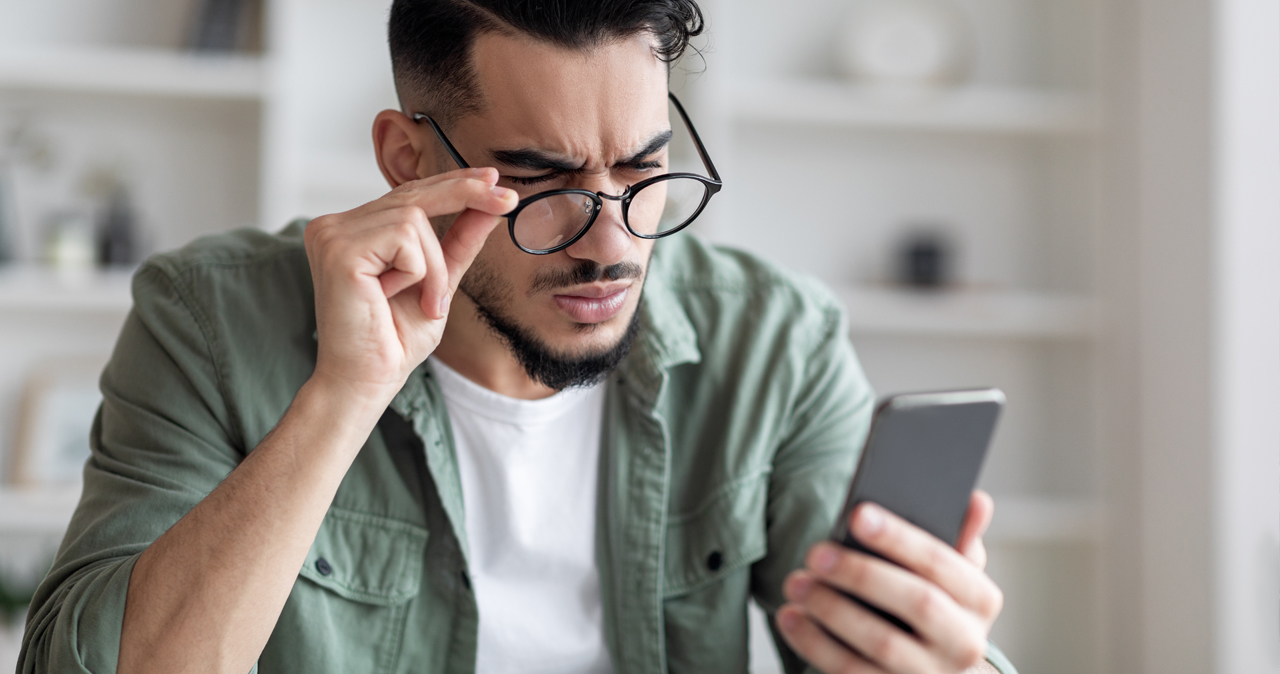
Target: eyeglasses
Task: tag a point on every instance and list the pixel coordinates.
(660, 206)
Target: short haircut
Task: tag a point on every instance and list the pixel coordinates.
(431, 40)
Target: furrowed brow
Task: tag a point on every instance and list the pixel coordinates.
(534, 160)
(656, 143)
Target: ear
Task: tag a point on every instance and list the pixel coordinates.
(404, 154)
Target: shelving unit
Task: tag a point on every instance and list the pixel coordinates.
(37, 289)
(969, 313)
(37, 509)
(827, 176)
(1004, 110)
(133, 71)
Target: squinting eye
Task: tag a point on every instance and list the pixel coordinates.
(530, 180)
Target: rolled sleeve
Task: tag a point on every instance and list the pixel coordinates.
(160, 443)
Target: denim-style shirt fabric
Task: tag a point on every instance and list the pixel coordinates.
(731, 432)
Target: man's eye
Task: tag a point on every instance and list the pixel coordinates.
(646, 166)
(530, 180)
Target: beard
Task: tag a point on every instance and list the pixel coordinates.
(558, 371)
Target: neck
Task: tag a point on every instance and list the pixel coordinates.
(474, 351)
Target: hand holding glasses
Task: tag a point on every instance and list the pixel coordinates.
(551, 221)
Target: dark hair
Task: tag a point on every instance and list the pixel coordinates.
(431, 40)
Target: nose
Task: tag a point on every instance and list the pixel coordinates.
(607, 242)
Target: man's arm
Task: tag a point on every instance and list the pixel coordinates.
(205, 594)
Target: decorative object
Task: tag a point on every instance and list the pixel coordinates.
(8, 225)
(226, 25)
(115, 231)
(69, 242)
(907, 44)
(57, 410)
(925, 260)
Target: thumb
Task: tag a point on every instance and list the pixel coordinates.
(981, 509)
(462, 243)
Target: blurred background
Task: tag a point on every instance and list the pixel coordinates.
(1077, 201)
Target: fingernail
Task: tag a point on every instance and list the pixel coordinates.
(444, 305)
(501, 192)
(788, 620)
(870, 519)
(801, 586)
(824, 559)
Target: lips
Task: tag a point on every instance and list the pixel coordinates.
(592, 304)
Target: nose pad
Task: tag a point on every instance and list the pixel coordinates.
(608, 241)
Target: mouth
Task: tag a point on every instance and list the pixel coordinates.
(593, 304)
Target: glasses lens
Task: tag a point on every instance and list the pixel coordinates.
(665, 206)
(552, 220)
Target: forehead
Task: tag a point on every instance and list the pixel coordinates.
(582, 103)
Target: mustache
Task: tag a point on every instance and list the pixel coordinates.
(585, 271)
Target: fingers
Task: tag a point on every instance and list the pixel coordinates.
(927, 556)
(454, 195)
(976, 521)
(936, 617)
(816, 646)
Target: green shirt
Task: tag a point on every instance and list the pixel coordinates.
(731, 432)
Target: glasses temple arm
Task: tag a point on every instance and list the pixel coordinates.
(444, 140)
(697, 140)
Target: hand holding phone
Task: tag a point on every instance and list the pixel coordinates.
(921, 461)
(911, 493)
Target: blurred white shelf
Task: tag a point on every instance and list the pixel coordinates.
(974, 313)
(1022, 519)
(966, 109)
(134, 71)
(37, 509)
(36, 289)
(347, 172)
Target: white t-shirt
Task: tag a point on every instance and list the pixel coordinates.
(528, 471)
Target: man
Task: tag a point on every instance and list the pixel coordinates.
(632, 470)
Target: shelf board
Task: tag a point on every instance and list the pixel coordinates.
(133, 71)
(968, 313)
(37, 509)
(1021, 519)
(963, 109)
(32, 288)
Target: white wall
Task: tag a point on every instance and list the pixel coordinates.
(1198, 340)
(1246, 356)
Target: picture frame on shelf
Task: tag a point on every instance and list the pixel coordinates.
(59, 401)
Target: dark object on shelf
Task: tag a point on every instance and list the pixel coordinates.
(924, 260)
(116, 237)
(226, 25)
(7, 222)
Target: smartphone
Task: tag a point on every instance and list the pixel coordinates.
(921, 461)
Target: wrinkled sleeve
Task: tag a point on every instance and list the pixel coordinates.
(161, 441)
(813, 467)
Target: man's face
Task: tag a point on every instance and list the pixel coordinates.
(555, 119)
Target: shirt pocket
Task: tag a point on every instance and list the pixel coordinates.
(367, 558)
(707, 578)
(347, 611)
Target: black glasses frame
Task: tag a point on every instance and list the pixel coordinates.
(713, 185)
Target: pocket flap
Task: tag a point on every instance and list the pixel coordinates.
(721, 536)
(367, 558)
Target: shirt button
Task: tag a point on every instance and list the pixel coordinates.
(714, 560)
(322, 565)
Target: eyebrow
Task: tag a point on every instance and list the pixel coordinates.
(541, 160)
